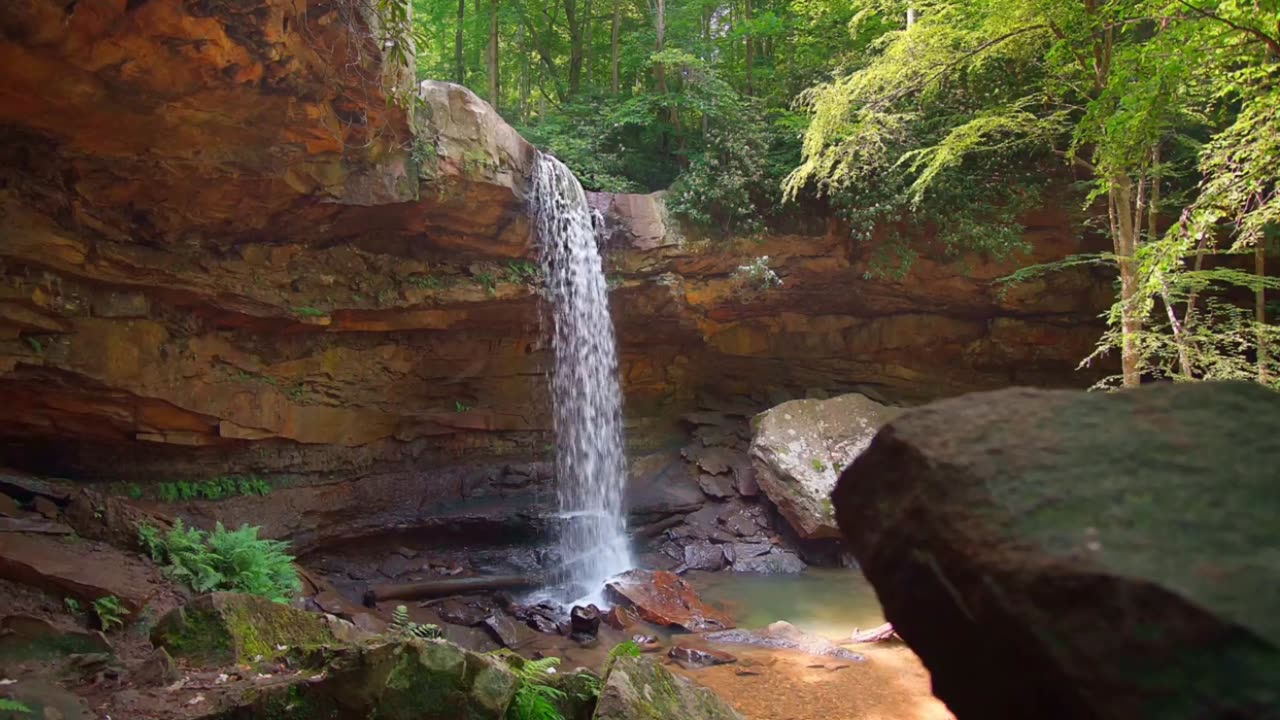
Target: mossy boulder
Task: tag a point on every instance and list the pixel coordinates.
(1064, 555)
(638, 688)
(401, 680)
(223, 628)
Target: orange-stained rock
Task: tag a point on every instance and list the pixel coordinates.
(663, 598)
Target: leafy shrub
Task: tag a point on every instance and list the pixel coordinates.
(626, 648)
(236, 560)
(402, 626)
(757, 276)
(73, 605)
(110, 612)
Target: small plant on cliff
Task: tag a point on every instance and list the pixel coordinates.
(757, 276)
(522, 271)
(110, 612)
(819, 465)
(13, 706)
(35, 344)
(217, 488)
(403, 627)
(459, 406)
(309, 312)
(487, 281)
(426, 282)
(236, 560)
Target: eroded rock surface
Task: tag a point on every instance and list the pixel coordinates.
(1072, 555)
(799, 449)
(637, 688)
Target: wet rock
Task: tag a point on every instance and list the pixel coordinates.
(717, 486)
(584, 622)
(691, 658)
(712, 460)
(9, 507)
(26, 637)
(659, 486)
(332, 602)
(157, 668)
(46, 507)
(663, 598)
(506, 631)
(801, 446)
(746, 550)
(741, 523)
(619, 618)
(638, 688)
(542, 617)
(702, 555)
(783, 635)
(1081, 555)
(776, 562)
(468, 611)
(647, 643)
(745, 481)
(223, 628)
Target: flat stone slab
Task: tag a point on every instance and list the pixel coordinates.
(81, 569)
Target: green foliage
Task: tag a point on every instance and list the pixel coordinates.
(402, 626)
(35, 344)
(217, 488)
(626, 648)
(818, 465)
(306, 311)
(522, 271)
(426, 282)
(236, 560)
(73, 605)
(13, 706)
(459, 406)
(535, 698)
(488, 282)
(110, 612)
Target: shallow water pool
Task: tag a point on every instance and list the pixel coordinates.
(824, 601)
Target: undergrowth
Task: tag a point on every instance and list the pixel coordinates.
(236, 560)
(110, 612)
(223, 486)
(13, 706)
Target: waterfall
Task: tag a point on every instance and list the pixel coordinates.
(590, 464)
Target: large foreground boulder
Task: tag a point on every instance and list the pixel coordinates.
(638, 688)
(1071, 555)
(799, 449)
(222, 628)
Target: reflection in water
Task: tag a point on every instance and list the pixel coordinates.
(826, 602)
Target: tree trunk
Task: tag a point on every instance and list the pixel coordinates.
(575, 46)
(590, 35)
(493, 54)
(614, 49)
(1126, 245)
(751, 51)
(459, 51)
(1260, 309)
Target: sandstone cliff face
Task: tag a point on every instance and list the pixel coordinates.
(224, 246)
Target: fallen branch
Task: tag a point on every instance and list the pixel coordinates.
(449, 586)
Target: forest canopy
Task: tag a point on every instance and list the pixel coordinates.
(1161, 116)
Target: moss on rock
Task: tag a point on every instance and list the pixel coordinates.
(223, 628)
(638, 688)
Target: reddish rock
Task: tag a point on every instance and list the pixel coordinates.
(86, 570)
(619, 618)
(664, 599)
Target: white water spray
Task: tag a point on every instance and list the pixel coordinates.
(590, 463)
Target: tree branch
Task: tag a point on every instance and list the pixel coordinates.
(959, 60)
(1272, 43)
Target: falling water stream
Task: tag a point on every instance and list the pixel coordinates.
(584, 386)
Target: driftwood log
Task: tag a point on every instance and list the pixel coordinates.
(449, 586)
(875, 634)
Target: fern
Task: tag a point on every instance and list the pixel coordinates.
(13, 706)
(236, 560)
(402, 626)
(535, 699)
(110, 612)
